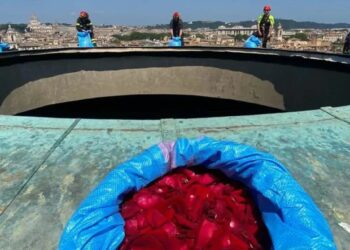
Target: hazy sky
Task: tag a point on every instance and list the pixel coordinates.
(139, 12)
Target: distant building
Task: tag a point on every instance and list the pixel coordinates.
(236, 30)
(288, 34)
(334, 35)
(35, 26)
(30, 46)
(319, 44)
(279, 35)
(11, 37)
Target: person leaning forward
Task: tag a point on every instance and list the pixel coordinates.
(84, 24)
(266, 23)
(176, 27)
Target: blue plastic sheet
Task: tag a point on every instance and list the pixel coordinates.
(252, 42)
(291, 217)
(84, 40)
(4, 46)
(175, 42)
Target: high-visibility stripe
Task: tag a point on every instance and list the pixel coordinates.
(271, 19)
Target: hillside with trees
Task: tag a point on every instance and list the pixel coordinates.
(286, 24)
(17, 27)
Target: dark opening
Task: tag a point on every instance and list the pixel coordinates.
(150, 107)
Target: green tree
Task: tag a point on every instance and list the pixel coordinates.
(17, 27)
(201, 36)
(301, 36)
(140, 36)
(240, 37)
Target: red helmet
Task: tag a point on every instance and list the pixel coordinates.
(176, 14)
(267, 8)
(83, 14)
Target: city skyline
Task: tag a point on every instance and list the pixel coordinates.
(159, 12)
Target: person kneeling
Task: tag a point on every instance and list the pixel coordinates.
(84, 24)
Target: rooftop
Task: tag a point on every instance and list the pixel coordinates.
(49, 165)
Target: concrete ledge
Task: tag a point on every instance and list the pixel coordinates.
(278, 79)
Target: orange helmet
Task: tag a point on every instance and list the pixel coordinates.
(176, 14)
(83, 14)
(267, 8)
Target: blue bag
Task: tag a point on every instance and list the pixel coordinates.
(4, 46)
(252, 42)
(175, 42)
(291, 217)
(84, 40)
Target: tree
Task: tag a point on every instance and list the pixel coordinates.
(17, 27)
(140, 36)
(240, 37)
(301, 36)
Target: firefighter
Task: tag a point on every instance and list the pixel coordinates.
(84, 24)
(176, 27)
(265, 25)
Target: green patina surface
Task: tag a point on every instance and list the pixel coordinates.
(48, 166)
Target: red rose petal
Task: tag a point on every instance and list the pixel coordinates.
(147, 200)
(169, 181)
(182, 221)
(131, 227)
(239, 243)
(190, 200)
(169, 214)
(154, 218)
(188, 173)
(146, 242)
(218, 189)
(206, 233)
(141, 221)
(206, 179)
(187, 210)
(225, 242)
(170, 228)
(129, 209)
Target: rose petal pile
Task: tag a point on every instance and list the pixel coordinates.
(191, 209)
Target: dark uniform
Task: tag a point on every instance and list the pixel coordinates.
(346, 44)
(176, 25)
(265, 22)
(84, 23)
